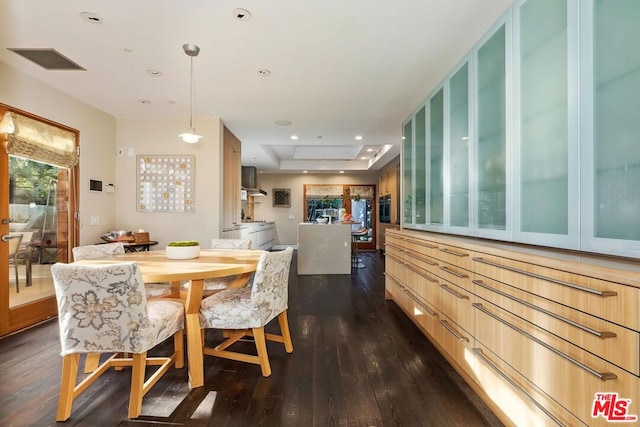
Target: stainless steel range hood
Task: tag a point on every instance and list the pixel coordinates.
(250, 181)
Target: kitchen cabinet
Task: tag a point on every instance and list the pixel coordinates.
(458, 201)
(537, 333)
(407, 167)
(231, 188)
(261, 234)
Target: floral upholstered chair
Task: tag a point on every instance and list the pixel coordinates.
(246, 311)
(117, 248)
(104, 309)
(220, 283)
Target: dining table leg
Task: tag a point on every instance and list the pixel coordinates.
(194, 337)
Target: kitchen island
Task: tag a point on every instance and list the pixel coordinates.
(324, 248)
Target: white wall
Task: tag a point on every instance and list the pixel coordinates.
(159, 137)
(97, 141)
(287, 229)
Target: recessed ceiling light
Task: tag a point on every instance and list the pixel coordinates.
(144, 101)
(363, 158)
(264, 72)
(294, 137)
(359, 137)
(154, 73)
(128, 49)
(242, 14)
(91, 17)
(404, 137)
(341, 171)
(283, 123)
(305, 171)
(370, 150)
(319, 136)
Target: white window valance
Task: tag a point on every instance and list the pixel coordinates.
(42, 142)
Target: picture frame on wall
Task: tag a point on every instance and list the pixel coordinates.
(282, 197)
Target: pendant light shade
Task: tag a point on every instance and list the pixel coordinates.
(190, 136)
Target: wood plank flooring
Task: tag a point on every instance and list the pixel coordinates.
(357, 361)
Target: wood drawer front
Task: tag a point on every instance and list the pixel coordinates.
(456, 304)
(566, 373)
(392, 286)
(457, 343)
(421, 246)
(423, 261)
(607, 300)
(612, 342)
(393, 239)
(519, 401)
(423, 285)
(458, 257)
(394, 266)
(457, 276)
(424, 315)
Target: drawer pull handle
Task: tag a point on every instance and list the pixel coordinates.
(427, 309)
(423, 259)
(452, 252)
(426, 245)
(453, 331)
(548, 279)
(455, 273)
(394, 278)
(452, 292)
(603, 335)
(419, 273)
(602, 376)
(478, 352)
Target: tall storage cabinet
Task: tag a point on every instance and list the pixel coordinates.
(231, 203)
(552, 118)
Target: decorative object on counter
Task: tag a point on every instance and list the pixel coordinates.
(183, 249)
(141, 237)
(118, 236)
(165, 183)
(322, 220)
(282, 197)
(341, 213)
(347, 218)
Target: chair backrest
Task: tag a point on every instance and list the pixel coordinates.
(14, 244)
(97, 251)
(270, 291)
(230, 244)
(101, 308)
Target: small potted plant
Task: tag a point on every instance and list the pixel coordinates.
(183, 249)
(18, 222)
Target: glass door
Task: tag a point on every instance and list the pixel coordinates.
(37, 199)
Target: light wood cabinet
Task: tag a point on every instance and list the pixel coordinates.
(231, 204)
(542, 331)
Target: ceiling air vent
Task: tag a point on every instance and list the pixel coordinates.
(49, 59)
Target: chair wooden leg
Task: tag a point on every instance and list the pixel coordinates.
(178, 349)
(91, 362)
(261, 347)
(67, 384)
(137, 384)
(15, 267)
(284, 329)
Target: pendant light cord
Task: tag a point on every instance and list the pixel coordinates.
(191, 97)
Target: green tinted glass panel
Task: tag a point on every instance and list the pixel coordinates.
(407, 169)
(543, 126)
(617, 119)
(491, 167)
(459, 147)
(420, 184)
(436, 141)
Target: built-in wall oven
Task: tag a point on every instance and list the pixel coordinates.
(384, 208)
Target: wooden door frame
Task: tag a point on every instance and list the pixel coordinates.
(29, 314)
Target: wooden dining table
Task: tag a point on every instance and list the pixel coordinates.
(155, 267)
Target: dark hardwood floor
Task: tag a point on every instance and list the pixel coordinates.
(357, 361)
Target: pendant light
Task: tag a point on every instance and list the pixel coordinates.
(190, 135)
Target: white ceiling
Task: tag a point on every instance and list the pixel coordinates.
(338, 68)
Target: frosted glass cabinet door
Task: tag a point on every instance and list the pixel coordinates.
(459, 148)
(491, 150)
(616, 121)
(544, 139)
(419, 143)
(407, 172)
(436, 152)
